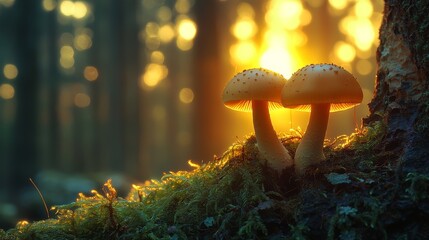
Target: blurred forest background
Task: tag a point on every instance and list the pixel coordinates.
(91, 90)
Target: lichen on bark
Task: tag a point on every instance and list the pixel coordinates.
(401, 94)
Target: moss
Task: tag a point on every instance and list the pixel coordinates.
(235, 197)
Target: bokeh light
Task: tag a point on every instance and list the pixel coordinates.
(187, 29)
(10, 71)
(278, 60)
(7, 91)
(243, 53)
(77, 9)
(338, 4)
(90, 73)
(184, 44)
(344, 51)
(244, 29)
(67, 8)
(49, 5)
(166, 33)
(67, 57)
(364, 67)
(186, 95)
(157, 57)
(153, 75)
(82, 100)
(164, 14)
(83, 41)
(182, 6)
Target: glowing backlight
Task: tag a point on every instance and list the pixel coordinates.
(244, 29)
(278, 60)
(243, 52)
(187, 29)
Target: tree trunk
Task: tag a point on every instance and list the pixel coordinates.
(401, 99)
(25, 129)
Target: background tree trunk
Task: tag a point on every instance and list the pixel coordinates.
(25, 129)
(401, 98)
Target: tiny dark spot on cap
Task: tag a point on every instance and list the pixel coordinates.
(336, 72)
(330, 68)
(257, 74)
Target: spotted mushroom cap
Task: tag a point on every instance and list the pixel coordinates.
(253, 84)
(321, 83)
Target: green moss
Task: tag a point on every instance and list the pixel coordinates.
(235, 197)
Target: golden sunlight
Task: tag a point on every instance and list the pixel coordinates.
(157, 57)
(243, 53)
(67, 8)
(338, 4)
(187, 29)
(244, 29)
(344, 51)
(80, 10)
(76, 9)
(284, 14)
(166, 33)
(284, 20)
(153, 74)
(278, 60)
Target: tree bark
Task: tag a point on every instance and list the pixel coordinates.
(401, 98)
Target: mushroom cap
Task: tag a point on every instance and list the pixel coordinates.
(254, 84)
(321, 84)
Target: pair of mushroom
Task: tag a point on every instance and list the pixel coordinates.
(319, 88)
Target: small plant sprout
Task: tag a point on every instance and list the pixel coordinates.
(320, 89)
(258, 91)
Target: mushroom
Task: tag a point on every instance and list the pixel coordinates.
(319, 88)
(258, 91)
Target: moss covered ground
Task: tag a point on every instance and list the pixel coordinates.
(359, 192)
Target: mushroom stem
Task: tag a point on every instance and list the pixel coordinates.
(310, 150)
(270, 148)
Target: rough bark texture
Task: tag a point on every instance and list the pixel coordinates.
(401, 98)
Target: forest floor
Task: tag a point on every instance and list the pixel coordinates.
(359, 192)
